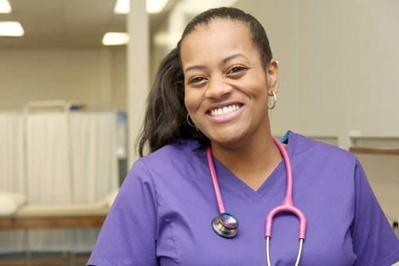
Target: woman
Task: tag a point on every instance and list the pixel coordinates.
(214, 90)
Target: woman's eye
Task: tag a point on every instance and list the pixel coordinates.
(236, 69)
(196, 80)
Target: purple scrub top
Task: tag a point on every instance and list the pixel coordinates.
(163, 212)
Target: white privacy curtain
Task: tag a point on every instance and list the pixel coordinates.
(71, 157)
(59, 158)
(93, 142)
(12, 153)
(12, 175)
(48, 159)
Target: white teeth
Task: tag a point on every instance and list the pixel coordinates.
(225, 110)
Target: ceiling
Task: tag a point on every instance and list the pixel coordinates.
(67, 24)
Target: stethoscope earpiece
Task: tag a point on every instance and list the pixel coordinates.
(225, 225)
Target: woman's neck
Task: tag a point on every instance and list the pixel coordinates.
(251, 163)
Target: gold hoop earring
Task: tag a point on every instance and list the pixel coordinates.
(271, 103)
(189, 121)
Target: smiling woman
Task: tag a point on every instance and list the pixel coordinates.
(208, 131)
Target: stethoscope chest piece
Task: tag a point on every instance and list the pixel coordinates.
(225, 225)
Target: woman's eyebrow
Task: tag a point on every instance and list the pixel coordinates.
(231, 57)
(224, 61)
(194, 67)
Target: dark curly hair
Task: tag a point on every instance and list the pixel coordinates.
(165, 118)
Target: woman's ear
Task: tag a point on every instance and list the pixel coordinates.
(272, 77)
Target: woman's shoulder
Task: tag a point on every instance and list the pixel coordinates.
(170, 165)
(172, 158)
(307, 146)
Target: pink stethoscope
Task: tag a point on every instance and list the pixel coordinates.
(226, 225)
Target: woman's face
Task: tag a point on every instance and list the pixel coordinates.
(226, 85)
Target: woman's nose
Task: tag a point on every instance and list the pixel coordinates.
(217, 87)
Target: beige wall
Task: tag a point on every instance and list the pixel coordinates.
(338, 68)
(93, 77)
(339, 62)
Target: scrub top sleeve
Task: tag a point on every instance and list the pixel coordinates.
(127, 236)
(373, 240)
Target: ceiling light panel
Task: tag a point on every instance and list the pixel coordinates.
(156, 6)
(115, 38)
(11, 29)
(122, 7)
(5, 6)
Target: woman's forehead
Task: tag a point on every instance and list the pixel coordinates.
(217, 29)
(215, 42)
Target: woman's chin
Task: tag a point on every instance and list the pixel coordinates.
(227, 141)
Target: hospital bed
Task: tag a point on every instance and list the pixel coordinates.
(16, 214)
(51, 217)
(55, 216)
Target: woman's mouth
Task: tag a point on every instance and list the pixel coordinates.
(224, 110)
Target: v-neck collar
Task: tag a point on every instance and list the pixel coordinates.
(230, 182)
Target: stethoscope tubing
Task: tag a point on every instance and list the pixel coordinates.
(287, 206)
(215, 181)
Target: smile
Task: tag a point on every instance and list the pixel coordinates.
(224, 110)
